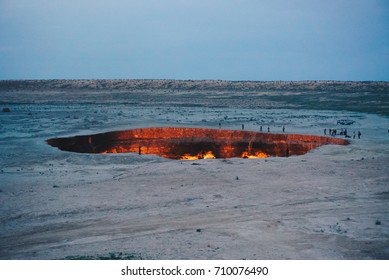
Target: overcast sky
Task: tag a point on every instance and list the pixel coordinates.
(195, 39)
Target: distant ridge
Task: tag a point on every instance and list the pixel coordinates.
(191, 85)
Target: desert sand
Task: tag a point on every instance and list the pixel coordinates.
(331, 203)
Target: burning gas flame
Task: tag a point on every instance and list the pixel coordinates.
(189, 157)
(201, 155)
(116, 150)
(208, 155)
(255, 155)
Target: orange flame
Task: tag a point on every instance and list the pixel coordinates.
(201, 155)
(208, 155)
(116, 150)
(256, 155)
(189, 157)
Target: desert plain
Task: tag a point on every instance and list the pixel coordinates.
(331, 203)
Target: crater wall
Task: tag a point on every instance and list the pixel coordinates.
(194, 143)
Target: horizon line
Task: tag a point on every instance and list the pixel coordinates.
(194, 80)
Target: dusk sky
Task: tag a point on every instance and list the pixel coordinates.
(195, 39)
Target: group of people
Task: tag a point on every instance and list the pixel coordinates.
(359, 135)
(343, 131)
(268, 129)
(332, 132)
(260, 128)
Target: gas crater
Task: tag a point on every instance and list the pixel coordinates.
(194, 143)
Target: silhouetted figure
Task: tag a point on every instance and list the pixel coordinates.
(242, 126)
(260, 128)
(353, 134)
(220, 125)
(268, 129)
(90, 144)
(359, 135)
(283, 128)
(325, 131)
(140, 150)
(287, 152)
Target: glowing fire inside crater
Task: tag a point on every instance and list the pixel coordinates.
(194, 143)
(201, 155)
(256, 155)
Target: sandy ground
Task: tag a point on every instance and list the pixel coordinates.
(332, 203)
